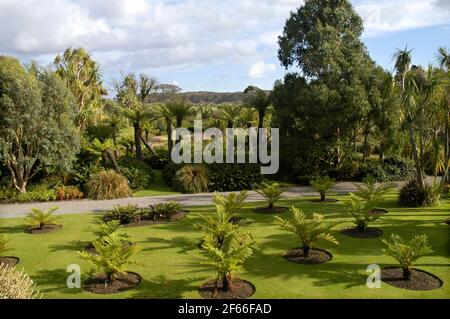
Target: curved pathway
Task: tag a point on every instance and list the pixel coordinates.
(89, 206)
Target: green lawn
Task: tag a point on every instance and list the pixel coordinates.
(172, 260)
(158, 188)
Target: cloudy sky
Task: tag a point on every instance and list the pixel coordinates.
(217, 45)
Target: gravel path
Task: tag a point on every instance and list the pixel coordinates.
(89, 206)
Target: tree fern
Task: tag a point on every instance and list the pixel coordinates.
(39, 219)
(271, 192)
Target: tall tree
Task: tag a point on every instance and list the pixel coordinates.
(37, 126)
(83, 78)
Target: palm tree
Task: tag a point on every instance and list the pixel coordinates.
(137, 115)
(165, 113)
(259, 100)
(229, 113)
(408, 90)
(179, 110)
(105, 151)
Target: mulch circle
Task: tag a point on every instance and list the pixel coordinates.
(150, 221)
(43, 230)
(241, 220)
(420, 280)
(9, 261)
(242, 290)
(123, 282)
(370, 232)
(266, 210)
(447, 221)
(379, 211)
(327, 200)
(317, 256)
(91, 249)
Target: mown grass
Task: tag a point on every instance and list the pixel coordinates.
(172, 260)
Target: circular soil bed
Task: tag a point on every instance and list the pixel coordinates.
(368, 233)
(447, 221)
(266, 210)
(123, 282)
(327, 200)
(317, 256)
(379, 211)
(420, 280)
(91, 249)
(242, 289)
(9, 261)
(43, 230)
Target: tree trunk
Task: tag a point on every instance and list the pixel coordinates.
(112, 158)
(169, 134)
(366, 144)
(227, 283)
(179, 125)
(137, 140)
(148, 145)
(417, 160)
(271, 206)
(407, 273)
(381, 152)
(307, 251)
(322, 196)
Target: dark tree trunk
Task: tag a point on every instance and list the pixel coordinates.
(148, 145)
(407, 273)
(307, 251)
(227, 283)
(417, 160)
(322, 196)
(179, 125)
(366, 146)
(112, 158)
(137, 140)
(169, 134)
(271, 206)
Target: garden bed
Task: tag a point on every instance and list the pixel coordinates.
(317, 256)
(9, 261)
(148, 220)
(379, 211)
(266, 210)
(327, 200)
(420, 280)
(122, 283)
(242, 289)
(43, 230)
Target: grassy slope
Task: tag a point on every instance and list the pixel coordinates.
(172, 261)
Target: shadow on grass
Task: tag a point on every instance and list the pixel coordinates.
(18, 229)
(53, 281)
(162, 287)
(182, 244)
(74, 245)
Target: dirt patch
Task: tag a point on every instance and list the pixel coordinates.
(379, 211)
(43, 230)
(317, 256)
(241, 220)
(327, 200)
(447, 221)
(241, 289)
(97, 284)
(9, 261)
(266, 210)
(420, 280)
(368, 233)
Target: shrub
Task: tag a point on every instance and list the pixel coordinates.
(162, 211)
(390, 170)
(231, 203)
(108, 185)
(407, 253)
(105, 229)
(233, 177)
(124, 214)
(112, 257)
(348, 171)
(323, 185)
(37, 193)
(38, 219)
(169, 172)
(412, 195)
(7, 193)
(371, 192)
(158, 161)
(4, 245)
(139, 174)
(271, 192)
(15, 284)
(362, 212)
(192, 179)
(309, 231)
(68, 193)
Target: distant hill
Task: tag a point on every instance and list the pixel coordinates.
(202, 97)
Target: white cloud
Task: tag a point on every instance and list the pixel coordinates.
(259, 70)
